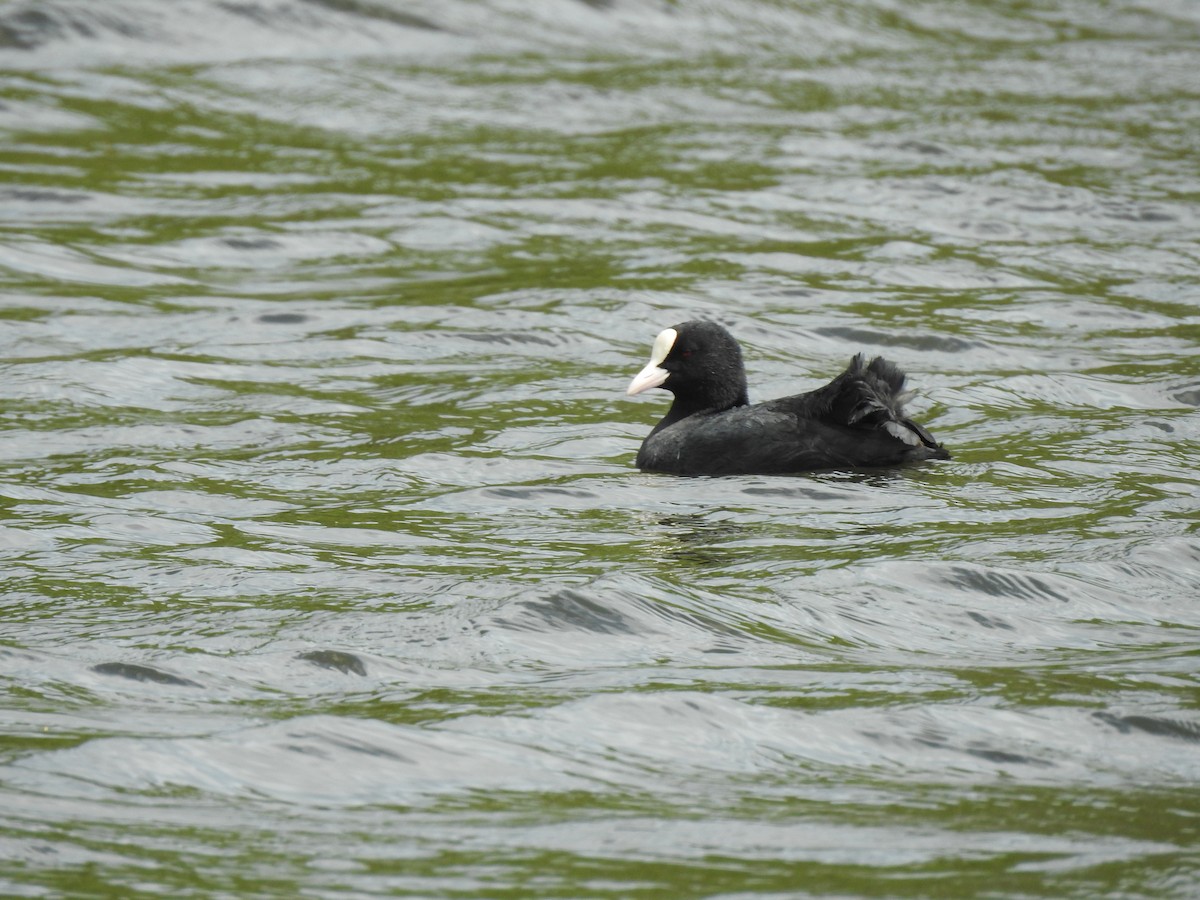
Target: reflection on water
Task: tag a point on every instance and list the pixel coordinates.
(326, 566)
(695, 540)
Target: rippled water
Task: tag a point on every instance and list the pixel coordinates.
(326, 568)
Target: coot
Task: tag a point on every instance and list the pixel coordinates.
(711, 429)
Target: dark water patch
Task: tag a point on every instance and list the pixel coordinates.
(989, 621)
(1137, 214)
(370, 748)
(938, 342)
(506, 338)
(1188, 397)
(251, 243)
(536, 493)
(35, 195)
(136, 672)
(933, 740)
(925, 148)
(994, 583)
(25, 29)
(338, 660)
(1005, 757)
(1161, 727)
(369, 10)
(32, 27)
(569, 610)
(283, 318)
(805, 493)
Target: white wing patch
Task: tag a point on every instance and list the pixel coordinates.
(903, 433)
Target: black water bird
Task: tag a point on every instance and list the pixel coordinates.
(857, 420)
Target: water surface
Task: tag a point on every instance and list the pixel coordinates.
(327, 571)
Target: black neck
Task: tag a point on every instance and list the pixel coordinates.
(689, 404)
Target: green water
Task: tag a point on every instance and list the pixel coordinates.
(327, 571)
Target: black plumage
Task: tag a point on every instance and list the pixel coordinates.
(857, 420)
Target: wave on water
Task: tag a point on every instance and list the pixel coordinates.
(58, 33)
(80, 32)
(68, 33)
(667, 743)
(76, 32)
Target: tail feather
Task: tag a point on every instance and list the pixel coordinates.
(887, 372)
(872, 395)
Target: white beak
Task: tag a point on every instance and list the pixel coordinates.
(654, 375)
(650, 377)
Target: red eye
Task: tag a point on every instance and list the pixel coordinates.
(686, 353)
